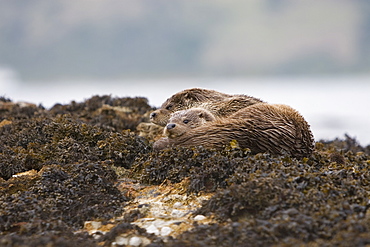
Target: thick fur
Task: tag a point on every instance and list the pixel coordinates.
(182, 121)
(278, 129)
(219, 104)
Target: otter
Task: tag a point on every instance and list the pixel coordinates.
(262, 127)
(219, 104)
(180, 122)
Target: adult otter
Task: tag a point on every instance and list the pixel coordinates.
(262, 127)
(219, 104)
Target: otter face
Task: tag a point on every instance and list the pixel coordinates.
(182, 121)
(177, 102)
(160, 117)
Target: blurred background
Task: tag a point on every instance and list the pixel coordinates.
(313, 55)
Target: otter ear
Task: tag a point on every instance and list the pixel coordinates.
(206, 116)
(194, 96)
(188, 97)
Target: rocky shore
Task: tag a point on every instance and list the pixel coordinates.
(81, 175)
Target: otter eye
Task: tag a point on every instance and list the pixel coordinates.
(186, 121)
(169, 107)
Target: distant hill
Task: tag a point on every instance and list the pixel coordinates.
(43, 39)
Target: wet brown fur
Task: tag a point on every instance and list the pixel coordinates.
(262, 127)
(219, 104)
(181, 122)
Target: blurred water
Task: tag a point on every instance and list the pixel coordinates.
(332, 106)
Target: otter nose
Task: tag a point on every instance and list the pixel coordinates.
(153, 114)
(170, 126)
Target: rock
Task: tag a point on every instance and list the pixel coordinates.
(120, 240)
(152, 229)
(135, 241)
(199, 217)
(177, 205)
(165, 231)
(177, 213)
(92, 225)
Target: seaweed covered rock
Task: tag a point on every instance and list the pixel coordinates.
(116, 114)
(290, 201)
(206, 169)
(267, 199)
(234, 234)
(57, 234)
(18, 110)
(287, 227)
(347, 144)
(70, 194)
(70, 156)
(31, 143)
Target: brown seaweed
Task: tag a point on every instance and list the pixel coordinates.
(76, 156)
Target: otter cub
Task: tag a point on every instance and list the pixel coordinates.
(219, 104)
(181, 122)
(262, 127)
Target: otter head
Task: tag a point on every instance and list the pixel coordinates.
(181, 121)
(160, 116)
(180, 101)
